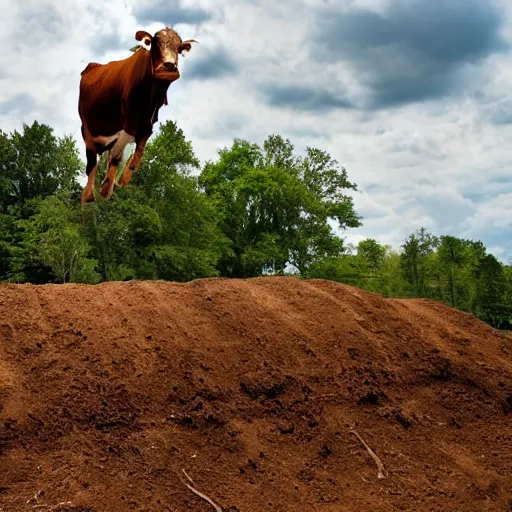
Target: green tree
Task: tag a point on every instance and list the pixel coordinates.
(390, 279)
(348, 269)
(328, 202)
(276, 207)
(8, 230)
(52, 245)
(458, 259)
(372, 252)
(34, 164)
(122, 233)
(507, 273)
(370, 255)
(37, 164)
(7, 172)
(492, 300)
(416, 250)
(166, 156)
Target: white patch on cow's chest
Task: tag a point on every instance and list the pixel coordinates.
(123, 139)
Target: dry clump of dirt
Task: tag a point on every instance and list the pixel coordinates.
(273, 394)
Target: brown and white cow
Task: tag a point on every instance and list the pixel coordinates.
(119, 103)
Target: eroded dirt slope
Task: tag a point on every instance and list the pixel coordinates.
(252, 387)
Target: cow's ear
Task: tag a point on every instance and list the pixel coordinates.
(186, 46)
(143, 35)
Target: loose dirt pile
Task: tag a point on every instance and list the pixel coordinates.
(253, 388)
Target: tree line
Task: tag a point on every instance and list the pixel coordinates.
(254, 210)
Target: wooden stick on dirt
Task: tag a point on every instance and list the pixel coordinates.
(200, 494)
(55, 507)
(316, 397)
(380, 466)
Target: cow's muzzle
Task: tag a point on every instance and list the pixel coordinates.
(167, 71)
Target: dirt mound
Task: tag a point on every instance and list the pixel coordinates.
(252, 387)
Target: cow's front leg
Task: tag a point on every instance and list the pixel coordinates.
(134, 162)
(107, 185)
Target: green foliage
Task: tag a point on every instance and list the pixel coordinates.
(373, 267)
(61, 244)
(391, 281)
(8, 228)
(417, 250)
(457, 261)
(166, 156)
(275, 206)
(35, 163)
(348, 269)
(121, 235)
(51, 244)
(493, 292)
(372, 253)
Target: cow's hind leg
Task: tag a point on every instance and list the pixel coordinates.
(92, 164)
(134, 162)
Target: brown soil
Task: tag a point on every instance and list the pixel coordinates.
(251, 386)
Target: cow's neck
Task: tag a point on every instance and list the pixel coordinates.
(150, 91)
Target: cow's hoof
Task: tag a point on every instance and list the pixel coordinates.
(87, 197)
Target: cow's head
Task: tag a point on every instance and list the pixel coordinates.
(165, 47)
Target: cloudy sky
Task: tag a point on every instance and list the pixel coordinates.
(413, 97)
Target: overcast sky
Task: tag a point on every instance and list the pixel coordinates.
(413, 97)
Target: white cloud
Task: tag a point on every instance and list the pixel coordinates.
(494, 214)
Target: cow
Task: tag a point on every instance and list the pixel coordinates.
(119, 102)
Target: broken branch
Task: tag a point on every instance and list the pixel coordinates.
(55, 507)
(199, 493)
(380, 466)
(328, 395)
